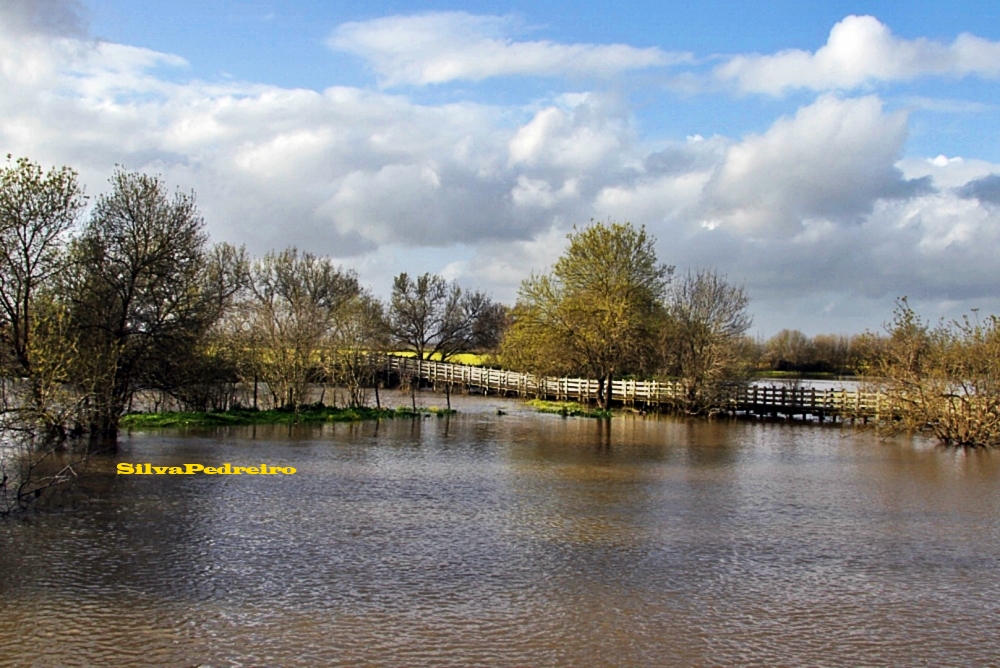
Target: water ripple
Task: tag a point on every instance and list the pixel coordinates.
(517, 541)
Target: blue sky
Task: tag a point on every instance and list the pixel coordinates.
(831, 156)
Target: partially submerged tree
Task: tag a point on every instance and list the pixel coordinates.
(598, 311)
(943, 379)
(703, 340)
(37, 345)
(209, 377)
(36, 457)
(295, 300)
(360, 336)
(138, 291)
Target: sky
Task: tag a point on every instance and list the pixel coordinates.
(830, 156)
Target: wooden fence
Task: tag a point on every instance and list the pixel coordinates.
(657, 395)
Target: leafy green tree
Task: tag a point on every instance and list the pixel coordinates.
(37, 211)
(597, 312)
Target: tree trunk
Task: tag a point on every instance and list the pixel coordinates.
(413, 392)
(104, 428)
(608, 392)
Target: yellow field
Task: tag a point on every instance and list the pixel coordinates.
(471, 359)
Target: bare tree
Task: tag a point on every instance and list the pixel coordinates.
(943, 379)
(138, 291)
(435, 319)
(703, 337)
(295, 300)
(790, 349)
(422, 312)
(360, 335)
(209, 377)
(489, 323)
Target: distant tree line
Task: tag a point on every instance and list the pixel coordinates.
(791, 350)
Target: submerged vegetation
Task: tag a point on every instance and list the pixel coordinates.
(944, 379)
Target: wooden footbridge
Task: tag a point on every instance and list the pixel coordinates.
(775, 401)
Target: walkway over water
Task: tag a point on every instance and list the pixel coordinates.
(656, 395)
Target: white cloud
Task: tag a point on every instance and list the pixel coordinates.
(860, 50)
(539, 193)
(438, 47)
(947, 106)
(818, 208)
(833, 159)
(821, 204)
(656, 201)
(580, 139)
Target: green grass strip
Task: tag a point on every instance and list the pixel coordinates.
(568, 409)
(310, 415)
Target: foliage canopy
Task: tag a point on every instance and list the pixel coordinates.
(596, 312)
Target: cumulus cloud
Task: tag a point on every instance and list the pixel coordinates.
(342, 171)
(438, 47)
(833, 160)
(819, 208)
(582, 138)
(822, 205)
(860, 50)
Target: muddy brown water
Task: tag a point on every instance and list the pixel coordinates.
(515, 540)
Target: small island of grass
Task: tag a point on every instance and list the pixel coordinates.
(304, 415)
(568, 408)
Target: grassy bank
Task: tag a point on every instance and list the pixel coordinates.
(310, 415)
(568, 408)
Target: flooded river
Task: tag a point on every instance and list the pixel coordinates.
(515, 540)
